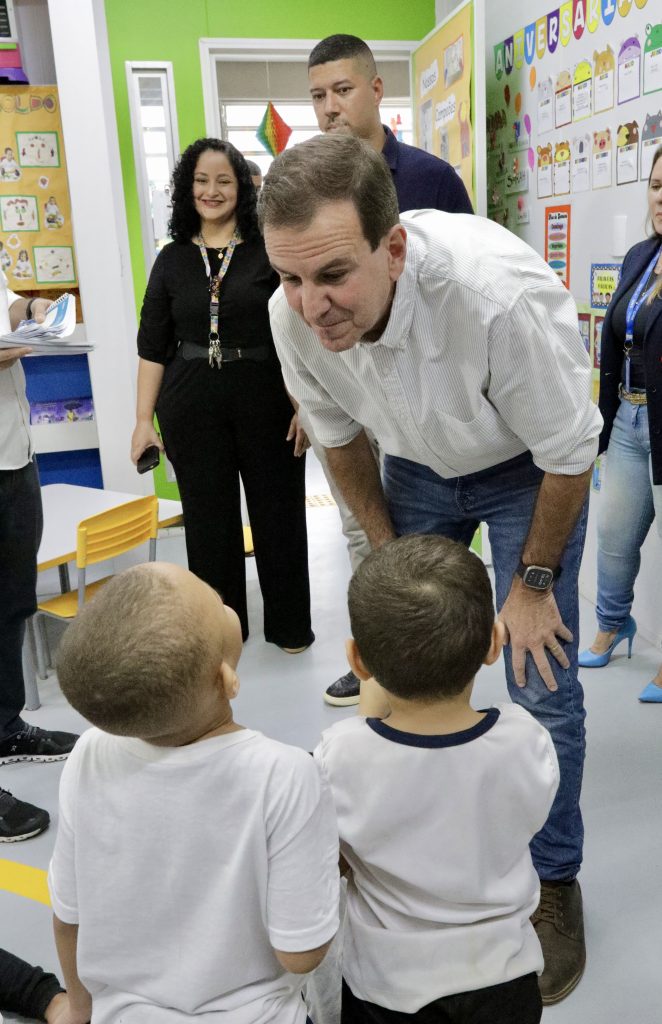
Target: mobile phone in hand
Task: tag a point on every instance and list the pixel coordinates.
(149, 459)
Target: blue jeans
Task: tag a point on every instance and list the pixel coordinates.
(629, 503)
(504, 497)
(20, 535)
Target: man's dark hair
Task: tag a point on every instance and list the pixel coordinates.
(185, 220)
(254, 168)
(421, 613)
(132, 660)
(342, 47)
(329, 168)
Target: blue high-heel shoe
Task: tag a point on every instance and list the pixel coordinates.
(587, 659)
(651, 694)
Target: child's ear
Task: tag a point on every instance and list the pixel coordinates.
(497, 642)
(355, 660)
(228, 680)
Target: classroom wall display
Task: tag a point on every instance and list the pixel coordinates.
(557, 241)
(604, 282)
(36, 236)
(589, 74)
(441, 76)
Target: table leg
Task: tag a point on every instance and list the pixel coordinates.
(65, 583)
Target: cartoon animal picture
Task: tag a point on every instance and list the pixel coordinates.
(583, 72)
(602, 140)
(564, 80)
(604, 61)
(652, 126)
(561, 152)
(545, 155)
(628, 134)
(630, 49)
(653, 38)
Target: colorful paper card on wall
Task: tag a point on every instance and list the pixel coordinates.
(653, 58)
(604, 64)
(627, 153)
(545, 170)
(545, 106)
(36, 237)
(602, 147)
(563, 99)
(597, 340)
(561, 168)
(651, 138)
(581, 163)
(582, 88)
(557, 241)
(629, 70)
(584, 318)
(603, 284)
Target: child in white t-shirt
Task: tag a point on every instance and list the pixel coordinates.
(195, 869)
(436, 802)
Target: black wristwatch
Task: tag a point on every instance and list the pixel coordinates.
(538, 577)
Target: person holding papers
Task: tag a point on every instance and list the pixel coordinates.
(209, 369)
(20, 534)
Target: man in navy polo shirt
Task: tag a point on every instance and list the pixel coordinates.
(346, 92)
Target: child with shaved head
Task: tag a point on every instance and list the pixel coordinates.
(195, 867)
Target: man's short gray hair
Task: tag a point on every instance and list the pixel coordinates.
(329, 168)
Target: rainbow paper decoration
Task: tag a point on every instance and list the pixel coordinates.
(273, 133)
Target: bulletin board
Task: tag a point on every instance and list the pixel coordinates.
(442, 93)
(36, 236)
(574, 114)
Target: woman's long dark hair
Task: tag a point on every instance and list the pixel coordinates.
(185, 220)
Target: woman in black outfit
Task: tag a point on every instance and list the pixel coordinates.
(210, 371)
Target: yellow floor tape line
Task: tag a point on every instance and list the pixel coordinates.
(24, 881)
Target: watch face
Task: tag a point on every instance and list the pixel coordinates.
(538, 577)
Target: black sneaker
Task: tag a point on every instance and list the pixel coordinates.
(344, 692)
(19, 820)
(33, 744)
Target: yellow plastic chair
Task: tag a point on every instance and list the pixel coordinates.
(100, 538)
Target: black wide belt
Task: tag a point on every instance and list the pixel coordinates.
(254, 353)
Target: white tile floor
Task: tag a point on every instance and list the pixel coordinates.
(282, 695)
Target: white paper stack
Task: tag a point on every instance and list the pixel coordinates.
(48, 337)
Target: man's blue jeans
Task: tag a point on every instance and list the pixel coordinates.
(628, 504)
(504, 497)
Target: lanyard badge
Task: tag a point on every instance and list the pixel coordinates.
(215, 353)
(634, 305)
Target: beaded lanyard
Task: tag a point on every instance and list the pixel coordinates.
(215, 353)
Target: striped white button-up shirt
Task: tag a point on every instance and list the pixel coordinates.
(480, 361)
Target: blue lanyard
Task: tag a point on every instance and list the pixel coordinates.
(634, 305)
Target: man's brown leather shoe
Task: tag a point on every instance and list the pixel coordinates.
(559, 925)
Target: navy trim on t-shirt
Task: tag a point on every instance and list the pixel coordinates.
(453, 739)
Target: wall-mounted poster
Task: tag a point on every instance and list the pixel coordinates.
(604, 64)
(585, 329)
(442, 69)
(629, 70)
(582, 82)
(545, 106)
(602, 158)
(597, 340)
(604, 282)
(36, 239)
(651, 138)
(545, 170)
(627, 153)
(653, 58)
(557, 241)
(581, 163)
(561, 168)
(563, 99)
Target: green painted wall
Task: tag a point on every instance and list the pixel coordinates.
(170, 30)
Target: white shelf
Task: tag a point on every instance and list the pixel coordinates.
(64, 437)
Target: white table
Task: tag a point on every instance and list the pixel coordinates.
(64, 507)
